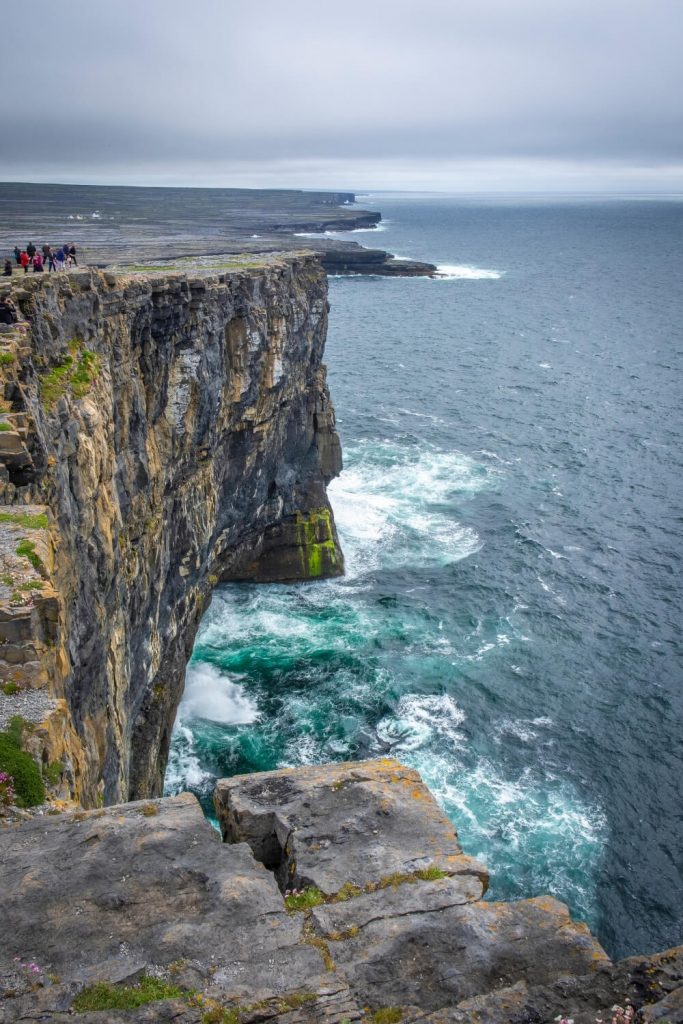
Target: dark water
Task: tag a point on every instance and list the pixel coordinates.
(510, 512)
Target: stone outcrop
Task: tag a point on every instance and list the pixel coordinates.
(176, 430)
(146, 894)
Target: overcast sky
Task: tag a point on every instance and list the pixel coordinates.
(443, 94)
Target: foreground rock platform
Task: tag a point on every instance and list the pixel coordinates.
(146, 894)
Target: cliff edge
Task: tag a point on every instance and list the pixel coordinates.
(340, 893)
(158, 433)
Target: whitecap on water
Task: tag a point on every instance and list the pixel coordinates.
(393, 505)
(462, 272)
(419, 719)
(211, 695)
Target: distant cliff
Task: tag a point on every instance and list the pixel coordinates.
(161, 433)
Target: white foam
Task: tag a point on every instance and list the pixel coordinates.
(419, 719)
(462, 272)
(212, 695)
(183, 767)
(390, 505)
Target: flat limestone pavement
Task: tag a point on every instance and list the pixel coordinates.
(329, 825)
(143, 902)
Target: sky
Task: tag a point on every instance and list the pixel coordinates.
(444, 95)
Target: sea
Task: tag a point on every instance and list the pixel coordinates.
(510, 511)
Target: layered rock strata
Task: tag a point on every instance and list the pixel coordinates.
(153, 903)
(176, 430)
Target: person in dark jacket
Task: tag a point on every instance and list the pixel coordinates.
(17, 255)
(31, 250)
(72, 254)
(8, 311)
(7, 272)
(50, 258)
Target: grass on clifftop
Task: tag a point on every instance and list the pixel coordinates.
(104, 996)
(304, 899)
(29, 522)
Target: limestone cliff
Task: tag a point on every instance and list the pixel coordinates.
(175, 430)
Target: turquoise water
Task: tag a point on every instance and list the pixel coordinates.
(510, 512)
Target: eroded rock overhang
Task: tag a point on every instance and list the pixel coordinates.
(176, 430)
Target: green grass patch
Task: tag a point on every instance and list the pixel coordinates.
(387, 1015)
(305, 899)
(27, 549)
(52, 773)
(28, 782)
(431, 874)
(6, 358)
(9, 689)
(76, 372)
(84, 373)
(104, 996)
(29, 522)
(5, 427)
(219, 1015)
(348, 891)
(54, 383)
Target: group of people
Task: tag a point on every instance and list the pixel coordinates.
(53, 259)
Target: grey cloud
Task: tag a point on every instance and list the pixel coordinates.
(152, 84)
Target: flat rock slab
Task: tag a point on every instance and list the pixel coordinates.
(359, 822)
(105, 895)
(451, 950)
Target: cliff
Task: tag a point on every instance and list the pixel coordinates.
(140, 913)
(158, 434)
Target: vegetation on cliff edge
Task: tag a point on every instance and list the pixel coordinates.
(28, 784)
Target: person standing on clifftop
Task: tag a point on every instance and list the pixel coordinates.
(24, 260)
(72, 254)
(31, 250)
(17, 255)
(37, 264)
(50, 259)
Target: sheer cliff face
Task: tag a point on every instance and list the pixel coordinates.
(181, 433)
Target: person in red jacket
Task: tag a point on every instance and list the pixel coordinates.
(24, 260)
